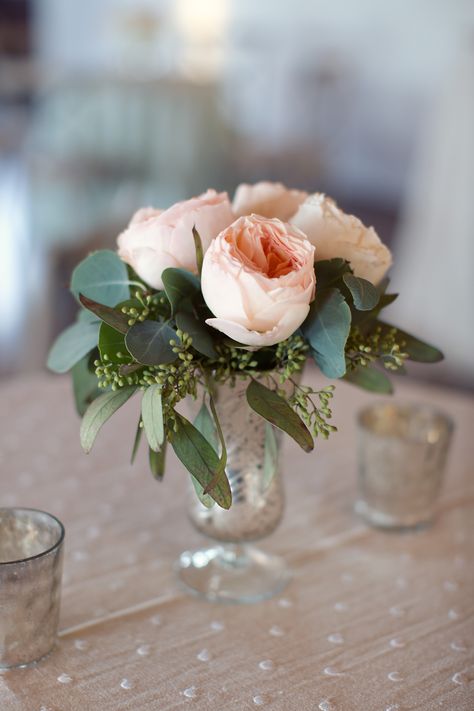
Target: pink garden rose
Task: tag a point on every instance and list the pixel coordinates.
(258, 280)
(267, 199)
(336, 234)
(157, 239)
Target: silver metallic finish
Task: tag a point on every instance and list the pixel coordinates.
(257, 505)
(402, 455)
(31, 556)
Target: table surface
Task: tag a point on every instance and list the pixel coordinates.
(371, 620)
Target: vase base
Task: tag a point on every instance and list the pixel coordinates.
(232, 573)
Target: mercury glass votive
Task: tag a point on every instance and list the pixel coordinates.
(31, 555)
(402, 456)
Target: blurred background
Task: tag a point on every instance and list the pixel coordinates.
(107, 105)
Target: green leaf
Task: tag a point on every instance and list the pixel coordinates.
(223, 456)
(100, 411)
(111, 343)
(157, 462)
(149, 342)
(369, 378)
(84, 385)
(202, 339)
(112, 317)
(329, 272)
(364, 294)
(327, 328)
(273, 408)
(199, 458)
(136, 441)
(102, 277)
(152, 416)
(198, 248)
(417, 349)
(205, 425)
(180, 287)
(270, 459)
(72, 345)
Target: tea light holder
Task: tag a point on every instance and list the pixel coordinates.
(402, 450)
(31, 557)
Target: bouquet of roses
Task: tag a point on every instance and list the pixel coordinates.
(209, 291)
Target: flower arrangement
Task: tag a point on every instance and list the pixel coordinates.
(208, 292)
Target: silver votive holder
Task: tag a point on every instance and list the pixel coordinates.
(402, 455)
(31, 556)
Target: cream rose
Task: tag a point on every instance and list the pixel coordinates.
(267, 199)
(157, 239)
(258, 280)
(336, 234)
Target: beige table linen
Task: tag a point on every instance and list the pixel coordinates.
(371, 621)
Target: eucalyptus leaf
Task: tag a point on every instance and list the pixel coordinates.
(102, 277)
(180, 287)
(99, 412)
(152, 417)
(72, 345)
(364, 294)
(369, 378)
(329, 272)
(115, 319)
(327, 328)
(273, 408)
(84, 384)
(157, 461)
(417, 349)
(223, 448)
(202, 339)
(149, 342)
(200, 459)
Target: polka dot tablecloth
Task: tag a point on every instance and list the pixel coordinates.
(371, 621)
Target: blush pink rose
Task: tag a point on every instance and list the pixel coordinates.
(267, 199)
(258, 280)
(336, 234)
(157, 239)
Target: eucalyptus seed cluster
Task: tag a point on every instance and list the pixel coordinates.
(314, 416)
(232, 363)
(146, 306)
(290, 356)
(380, 344)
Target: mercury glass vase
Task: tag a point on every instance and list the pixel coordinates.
(231, 568)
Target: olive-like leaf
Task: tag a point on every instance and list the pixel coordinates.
(101, 409)
(152, 417)
(270, 457)
(149, 342)
(157, 461)
(102, 277)
(72, 345)
(137, 440)
(198, 248)
(369, 378)
(364, 294)
(417, 349)
(200, 459)
(205, 424)
(275, 409)
(114, 318)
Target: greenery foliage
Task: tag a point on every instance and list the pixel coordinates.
(130, 338)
